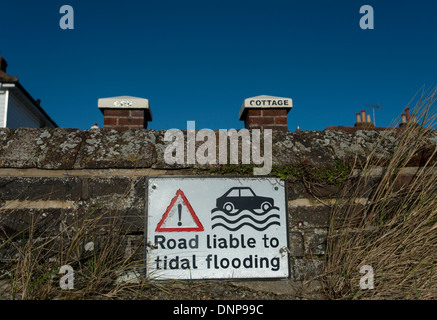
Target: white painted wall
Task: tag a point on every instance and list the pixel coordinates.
(3, 94)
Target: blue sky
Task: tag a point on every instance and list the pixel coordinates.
(198, 60)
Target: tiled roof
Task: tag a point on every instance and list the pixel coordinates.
(4, 77)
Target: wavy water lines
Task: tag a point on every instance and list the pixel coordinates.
(246, 216)
(246, 224)
(224, 219)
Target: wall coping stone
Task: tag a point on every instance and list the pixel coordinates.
(67, 149)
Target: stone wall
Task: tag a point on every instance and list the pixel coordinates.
(51, 179)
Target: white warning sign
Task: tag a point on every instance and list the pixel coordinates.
(216, 228)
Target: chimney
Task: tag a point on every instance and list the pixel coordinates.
(3, 64)
(358, 115)
(407, 114)
(363, 115)
(124, 112)
(369, 120)
(265, 112)
(363, 121)
(403, 119)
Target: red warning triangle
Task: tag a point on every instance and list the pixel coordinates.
(181, 194)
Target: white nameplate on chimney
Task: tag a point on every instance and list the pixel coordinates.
(126, 102)
(265, 102)
(123, 102)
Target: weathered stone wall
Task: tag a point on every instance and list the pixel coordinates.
(52, 178)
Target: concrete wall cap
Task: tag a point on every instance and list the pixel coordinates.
(125, 103)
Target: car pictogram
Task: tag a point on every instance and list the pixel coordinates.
(243, 198)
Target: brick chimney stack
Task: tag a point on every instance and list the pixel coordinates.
(265, 112)
(3, 64)
(406, 118)
(124, 112)
(3, 75)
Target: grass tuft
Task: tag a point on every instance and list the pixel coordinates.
(396, 231)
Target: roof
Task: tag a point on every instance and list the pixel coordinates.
(6, 78)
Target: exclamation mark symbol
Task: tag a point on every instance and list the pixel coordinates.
(180, 214)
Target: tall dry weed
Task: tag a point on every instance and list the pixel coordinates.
(395, 232)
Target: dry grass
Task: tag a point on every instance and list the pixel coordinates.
(31, 258)
(396, 232)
